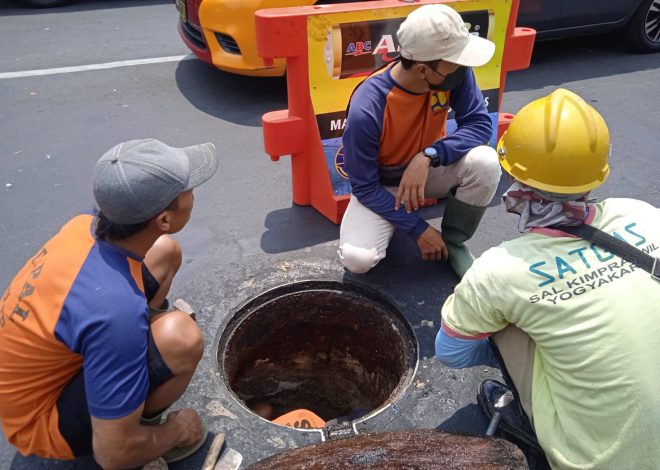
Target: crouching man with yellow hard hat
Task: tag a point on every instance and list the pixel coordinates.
(571, 318)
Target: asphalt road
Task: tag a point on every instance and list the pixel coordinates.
(245, 236)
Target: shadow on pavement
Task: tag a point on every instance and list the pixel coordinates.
(470, 419)
(296, 227)
(299, 227)
(232, 98)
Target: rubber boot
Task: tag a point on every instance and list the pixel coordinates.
(458, 225)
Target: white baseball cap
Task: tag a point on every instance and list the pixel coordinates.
(434, 32)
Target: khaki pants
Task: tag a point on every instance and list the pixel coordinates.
(364, 235)
(517, 350)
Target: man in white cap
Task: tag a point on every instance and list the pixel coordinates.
(90, 353)
(397, 152)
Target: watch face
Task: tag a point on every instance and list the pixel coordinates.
(430, 152)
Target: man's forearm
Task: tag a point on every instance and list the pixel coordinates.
(381, 202)
(147, 444)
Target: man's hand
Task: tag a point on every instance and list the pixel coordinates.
(432, 245)
(189, 424)
(413, 181)
(125, 443)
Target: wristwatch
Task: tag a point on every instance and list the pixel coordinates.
(432, 154)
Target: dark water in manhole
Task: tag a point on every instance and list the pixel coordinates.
(328, 347)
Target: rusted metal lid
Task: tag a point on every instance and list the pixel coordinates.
(408, 449)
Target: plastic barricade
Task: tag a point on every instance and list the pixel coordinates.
(330, 49)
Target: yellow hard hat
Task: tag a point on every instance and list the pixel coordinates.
(558, 144)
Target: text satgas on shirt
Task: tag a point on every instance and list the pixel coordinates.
(584, 269)
(19, 309)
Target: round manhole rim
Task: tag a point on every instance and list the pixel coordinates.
(254, 303)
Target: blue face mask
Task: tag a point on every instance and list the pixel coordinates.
(451, 80)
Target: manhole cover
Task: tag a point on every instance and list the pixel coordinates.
(338, 350)
(415, 448)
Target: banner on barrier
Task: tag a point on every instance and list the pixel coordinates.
(344, 48)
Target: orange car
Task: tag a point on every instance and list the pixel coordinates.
(222, 32)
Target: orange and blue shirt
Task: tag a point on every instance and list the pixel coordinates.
(388, 125)
(78, 303)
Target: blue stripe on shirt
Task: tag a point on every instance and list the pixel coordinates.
(459, 353)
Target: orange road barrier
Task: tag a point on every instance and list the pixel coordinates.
(330, 49)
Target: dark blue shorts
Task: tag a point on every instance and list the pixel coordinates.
(75, 423)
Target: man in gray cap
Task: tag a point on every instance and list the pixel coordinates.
(90, 352)
(397, 153)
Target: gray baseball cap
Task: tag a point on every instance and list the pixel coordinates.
(136, 180)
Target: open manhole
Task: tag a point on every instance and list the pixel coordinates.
(338, 350)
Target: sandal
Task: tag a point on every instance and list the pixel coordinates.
(179, 453)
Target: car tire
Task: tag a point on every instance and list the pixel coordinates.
(46, 3)
(644, 27)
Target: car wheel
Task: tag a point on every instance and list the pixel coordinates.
(644, 27)
(46, 3)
